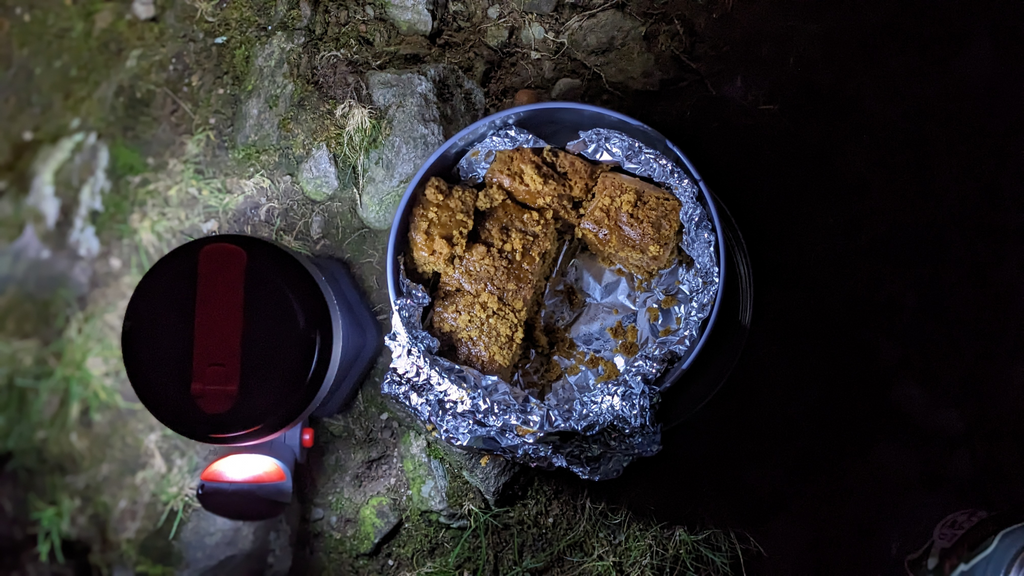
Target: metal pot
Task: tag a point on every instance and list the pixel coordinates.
(558, 123)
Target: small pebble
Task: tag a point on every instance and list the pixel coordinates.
(493, 12)
(115, 263)
(143, 9)
(391, 562)
(526, 96)
(220, 90)
(567, 89)
(27, 135)
(316, 514)
(369, 11)
(383, 415)
(219, 39)
(213, 121)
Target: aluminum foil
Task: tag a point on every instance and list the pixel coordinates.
(592, 421)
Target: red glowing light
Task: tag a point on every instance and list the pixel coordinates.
(247, 468)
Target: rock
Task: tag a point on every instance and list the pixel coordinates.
(567, 89)
(496, 36)
(540, 6)
(58, 241)
(209, 545)
(612, 42)
(411, 17)
(305, 13)
(421, 109)
(376, 522)
(318, 176)
(494, 11)
(143, 9)
(316, 514)
(427, 477)
(491, 475)
(532, 33)
(526, 96)
(267, 95)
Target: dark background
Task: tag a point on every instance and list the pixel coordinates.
(882, 385)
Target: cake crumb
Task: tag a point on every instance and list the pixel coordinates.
(653, 314)
(609, 371)
(618, 331)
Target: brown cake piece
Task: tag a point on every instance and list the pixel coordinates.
(513, 228)
(441, 221)
(580, 173)
(513, 259)
(479, 330)
(632, 223)
(490, 197)
(483, 269)
(525, 175)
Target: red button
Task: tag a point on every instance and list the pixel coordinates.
(307, 437)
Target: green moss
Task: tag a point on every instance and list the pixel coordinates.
(435, 452)
(417, 471)
(369, 522)
(78, 52)
(125, 160)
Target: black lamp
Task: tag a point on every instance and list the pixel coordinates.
(236, 341)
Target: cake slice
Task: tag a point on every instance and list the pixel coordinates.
(632, 224)
(581, 174)
(513, 259)
(441, 221)
(524, 174)
(478, 330)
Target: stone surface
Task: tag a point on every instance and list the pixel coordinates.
(143, 9)
(411, 17)
(318, 175)
(421, 108)
(496, 36)
(267, 92)
(377, 520)
(210, 545)
(493, 476)
(567, 89)
(540, 6)
(532, 33)
(58, 242)
(494, 11)
(427, 477)
(613, 42)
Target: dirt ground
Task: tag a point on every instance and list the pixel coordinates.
(870, 153)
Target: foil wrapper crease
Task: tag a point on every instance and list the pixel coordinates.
(591, 425)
